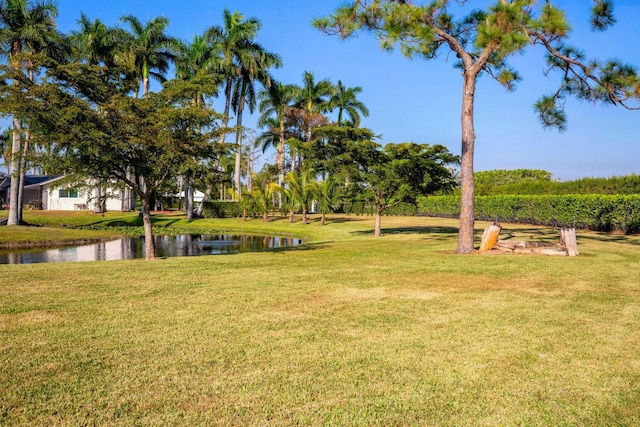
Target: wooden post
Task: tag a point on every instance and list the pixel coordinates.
(568, 239)
(490, 237)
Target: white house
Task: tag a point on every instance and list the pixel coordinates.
(46, 192)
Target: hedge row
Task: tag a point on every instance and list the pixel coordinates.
(232, 209)
(594, 211)
(220, 209)
(367, 208)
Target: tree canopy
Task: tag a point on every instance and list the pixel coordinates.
(97, 131)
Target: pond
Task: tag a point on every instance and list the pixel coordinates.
(133, 248)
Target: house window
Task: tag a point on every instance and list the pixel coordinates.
(70, 193)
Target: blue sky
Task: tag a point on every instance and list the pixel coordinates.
(419, 101)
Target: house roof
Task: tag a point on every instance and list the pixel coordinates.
(38, 180)
(30, 181)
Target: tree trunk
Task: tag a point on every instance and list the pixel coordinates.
(97, 204)
(236, 172)
(149, 244)
(378, 229)
(227, 106)
(304, 213)
(322, 218)
(292, 153)
(23, 171)
(467, 214)
(16, 152)
(568, 239)
(205, 198)
(490, 237)
(188, 205)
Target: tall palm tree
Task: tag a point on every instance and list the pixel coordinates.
(274, 102)
(197, 59)
(312, 98)
(345, 100)
(149, 49)
(194, 61)
(255, 68)
(97, 43)
(24, 28)
(234, 39)
(243, 62)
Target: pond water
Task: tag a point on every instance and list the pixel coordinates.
(133, 247)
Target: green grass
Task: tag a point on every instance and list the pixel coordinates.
(344, 330)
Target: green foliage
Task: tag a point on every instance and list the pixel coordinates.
(527, 182)
(400, 172)
(363, 207)
(260, 196)
(592, 211)
(222, 209)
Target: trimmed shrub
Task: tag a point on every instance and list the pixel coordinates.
(593, 211)
(222, 209)
(360, 207)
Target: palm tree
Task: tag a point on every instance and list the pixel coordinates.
(345, 100)
(194, 61)
(325, 193)
(254, 68)
(243, 61)
(301, 189)
(29, 28)
(261, 193)
(97, 43)
(274, 102)
(313, 99)
(197, 59)
(234, 39)
(150, 51)
(311, 96)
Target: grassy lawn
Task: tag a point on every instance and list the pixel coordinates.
(344, 330)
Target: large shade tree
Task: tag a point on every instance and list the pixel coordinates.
(400, 172)
(484, 40)
(99, 132)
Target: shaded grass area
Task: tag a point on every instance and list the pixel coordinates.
(356, 331)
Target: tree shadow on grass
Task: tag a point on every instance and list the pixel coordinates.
(536, 234)
(611, 238)
(283, 249)
(552, 234)
(449, 231)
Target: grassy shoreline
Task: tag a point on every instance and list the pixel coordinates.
(344, 330)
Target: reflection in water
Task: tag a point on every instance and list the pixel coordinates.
(133, 247)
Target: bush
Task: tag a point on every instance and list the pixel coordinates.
(222, 209)
(594, 211)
